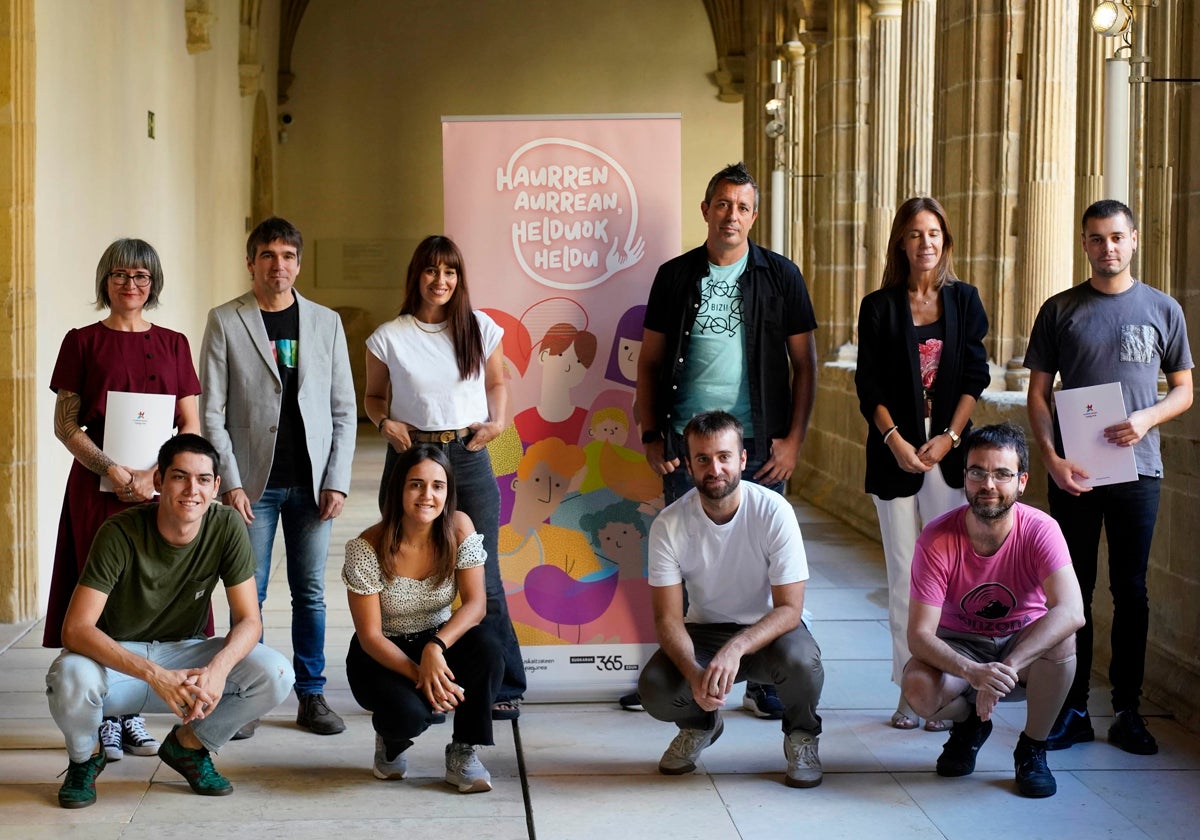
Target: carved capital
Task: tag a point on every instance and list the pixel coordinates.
(199, 26)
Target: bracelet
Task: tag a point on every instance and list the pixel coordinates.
(890, 432)
(435, 640)
(381, 422)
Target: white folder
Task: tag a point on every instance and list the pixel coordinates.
(1083, 415)
(135, 426)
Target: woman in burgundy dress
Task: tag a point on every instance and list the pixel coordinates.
(123, 352)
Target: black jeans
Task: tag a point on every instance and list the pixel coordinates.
(400, 712)
(1127, 513)
(479, 498)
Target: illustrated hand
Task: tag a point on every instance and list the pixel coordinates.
(239, 501)
(616, 261)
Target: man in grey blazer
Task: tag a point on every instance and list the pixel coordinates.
(278, 404)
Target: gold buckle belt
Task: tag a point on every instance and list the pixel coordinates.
(438, 437)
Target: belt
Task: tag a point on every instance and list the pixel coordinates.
(418, 636)
(438, 437)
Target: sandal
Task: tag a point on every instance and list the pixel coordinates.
(506, 709)
(901, 720)
(938, 725)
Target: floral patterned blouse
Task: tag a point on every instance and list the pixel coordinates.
(407, 605)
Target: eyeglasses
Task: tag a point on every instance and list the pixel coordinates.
(123, 278)
(979, 475)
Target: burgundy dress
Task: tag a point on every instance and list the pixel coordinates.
(92, 361)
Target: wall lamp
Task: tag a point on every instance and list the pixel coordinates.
(1111, 18)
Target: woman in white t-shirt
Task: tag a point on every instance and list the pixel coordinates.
(410, 657)
(445, 367)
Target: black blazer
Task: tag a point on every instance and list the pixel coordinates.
(889, 374)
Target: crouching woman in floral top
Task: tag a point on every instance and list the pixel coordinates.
(410, 657)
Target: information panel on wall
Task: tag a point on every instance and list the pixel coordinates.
(563, 222)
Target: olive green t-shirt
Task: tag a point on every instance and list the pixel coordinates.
(158, 592)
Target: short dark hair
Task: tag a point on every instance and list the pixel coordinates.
(128, 253)
(1105, 209)
(734, 173)
(709, 423)
(270, 230)
(186, 442)
(999, 436)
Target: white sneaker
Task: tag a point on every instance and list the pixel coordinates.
(392, 770)
(804, 764)
(684, 751)
(134, 737)
(464, 770)
(110, 739)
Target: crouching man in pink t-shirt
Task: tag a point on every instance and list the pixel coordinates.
(994, 610)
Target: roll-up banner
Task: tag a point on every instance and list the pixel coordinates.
(563, 222)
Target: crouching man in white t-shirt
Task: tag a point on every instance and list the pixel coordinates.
(737, 549)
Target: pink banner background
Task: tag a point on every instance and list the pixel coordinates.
(563, 223)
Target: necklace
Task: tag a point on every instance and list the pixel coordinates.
(439, 328)
(915, 296)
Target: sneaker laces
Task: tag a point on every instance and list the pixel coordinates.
(461, 757)
(134, 727)
(803, 754)
(110, 733)
(81, 774)
(688, 741)
(1034, 761)
(198, 764)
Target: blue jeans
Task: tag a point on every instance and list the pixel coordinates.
(675, 484)
(1127, 512)
(82, 692)
(479, 498)
(306, 545)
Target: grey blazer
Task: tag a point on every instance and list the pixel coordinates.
(242, 395)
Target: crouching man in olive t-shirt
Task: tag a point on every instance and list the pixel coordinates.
(133, 634)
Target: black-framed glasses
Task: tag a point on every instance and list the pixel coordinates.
(979, 475)
(140, 279)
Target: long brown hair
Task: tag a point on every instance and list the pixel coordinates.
(897, 269)
(445, 541)
(464, 331)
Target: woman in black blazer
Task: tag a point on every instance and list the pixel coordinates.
(921, 368)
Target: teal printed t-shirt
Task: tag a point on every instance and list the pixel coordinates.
(715, 366)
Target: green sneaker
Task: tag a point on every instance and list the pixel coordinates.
(194, 765)
(79, 788)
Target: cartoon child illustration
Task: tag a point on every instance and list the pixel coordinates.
(626, 347)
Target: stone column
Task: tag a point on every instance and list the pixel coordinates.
(18, 365)
(918, 25)
(883, 119)
(1047, 170)
(799, 145)
(1089, 131)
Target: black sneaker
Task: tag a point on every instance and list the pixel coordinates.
(762, 701)
(958, 756)
(79, 788)
(194, 765)
(315, 715)
(1034, 778)
(1071, 727)
(134, 737)
(1130, 734)
(631, 702)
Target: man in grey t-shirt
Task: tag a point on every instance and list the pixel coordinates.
(1110, 328)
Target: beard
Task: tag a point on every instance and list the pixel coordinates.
(991, 509)
(716, 492)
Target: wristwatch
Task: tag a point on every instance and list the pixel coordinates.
(954, 438)
(651, 436)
